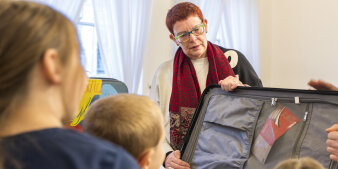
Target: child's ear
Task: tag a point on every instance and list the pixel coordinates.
(144, 158)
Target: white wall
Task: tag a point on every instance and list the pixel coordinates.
(298, 41)
(159, 46)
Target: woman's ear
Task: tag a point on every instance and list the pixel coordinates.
(144, 158)
(206, 25)
(171, 36)
(51, 66)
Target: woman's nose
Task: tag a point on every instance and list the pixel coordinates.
(192, 37)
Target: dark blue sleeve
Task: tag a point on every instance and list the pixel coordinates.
(63, 149)
(125, 161)
(111, 156)
(108, 156)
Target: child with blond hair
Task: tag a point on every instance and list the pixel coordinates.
(131, 121)
(302, 163)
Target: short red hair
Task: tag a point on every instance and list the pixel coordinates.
(182, 11)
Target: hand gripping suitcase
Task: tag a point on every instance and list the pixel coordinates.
(255, 128)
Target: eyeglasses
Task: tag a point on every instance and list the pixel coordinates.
(184, 37)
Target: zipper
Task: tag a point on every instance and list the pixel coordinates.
(333, 165)
(301, 134)
(285, 99)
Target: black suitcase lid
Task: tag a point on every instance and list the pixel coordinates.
(289, 95)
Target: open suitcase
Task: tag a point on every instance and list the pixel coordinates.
(227, 128)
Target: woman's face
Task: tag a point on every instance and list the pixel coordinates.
(75, 82)
(196, 46)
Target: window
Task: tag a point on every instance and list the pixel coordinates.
(90, 51)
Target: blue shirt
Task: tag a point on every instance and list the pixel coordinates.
(58, 148)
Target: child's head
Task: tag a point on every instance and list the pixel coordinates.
(303, 163)
(131, 121)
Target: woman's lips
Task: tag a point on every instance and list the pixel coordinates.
(195, 47)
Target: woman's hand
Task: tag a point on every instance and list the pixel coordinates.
(332, 142)
(173, 161)
(230, 83)
(321, 85)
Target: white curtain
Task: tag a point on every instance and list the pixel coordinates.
(89, 56)
(212, 10)
(70, 8)
(122, 27)
(239, 29)
(232, 24)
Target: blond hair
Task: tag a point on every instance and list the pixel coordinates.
(302, 163)
(131, 121)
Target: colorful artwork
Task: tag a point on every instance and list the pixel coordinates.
(93, 88)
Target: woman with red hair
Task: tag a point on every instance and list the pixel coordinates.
(197, 64)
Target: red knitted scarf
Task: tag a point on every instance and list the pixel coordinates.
(186, 91)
